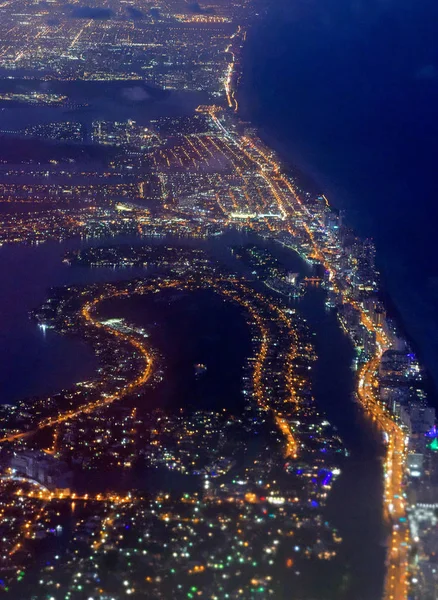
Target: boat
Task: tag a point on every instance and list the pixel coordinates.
(200, 368)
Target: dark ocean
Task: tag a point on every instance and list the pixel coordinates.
(347, 90)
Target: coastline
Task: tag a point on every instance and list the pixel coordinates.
(398, 540)
(277, 205)
(410, 284)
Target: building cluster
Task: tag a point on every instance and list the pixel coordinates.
(125, 255)
(64, 223)
(33, 97)
(245, 513)
(265, 266)
(71, 131)
(256, 483)
(41, 467)
(169, 44)
(423, 523)
(127, 134)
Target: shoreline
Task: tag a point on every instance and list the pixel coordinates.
(407, 312)
(397, 541)
(255, 190)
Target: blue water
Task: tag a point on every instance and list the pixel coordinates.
(33, 362)
(348, 91)
(188, 329)
(94, 100)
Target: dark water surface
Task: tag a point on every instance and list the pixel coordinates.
(348, 91)
(33, 362)
(37, 363)
(91, 100)
(355, 504)
(187, 329)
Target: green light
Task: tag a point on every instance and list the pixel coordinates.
(434, 445)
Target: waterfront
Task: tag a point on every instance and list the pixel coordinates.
(355, 507)
(347, 92)
(209, 172)
(36, 362)
(93, 100)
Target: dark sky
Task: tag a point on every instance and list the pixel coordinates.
(350, 90)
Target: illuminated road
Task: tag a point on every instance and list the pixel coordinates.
(292, 215)
(231, 289)
(291, 207)
(396, 583)
(143, 377)
(230, 92)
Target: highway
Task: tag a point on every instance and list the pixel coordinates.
(146, 372)
(290, 205)
(396, 582)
